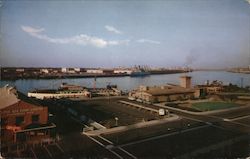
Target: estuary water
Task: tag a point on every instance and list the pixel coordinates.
(129, 83)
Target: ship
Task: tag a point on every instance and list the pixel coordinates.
(139, 72)
(64, 91)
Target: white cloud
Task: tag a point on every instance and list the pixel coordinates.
(147, 41)
(31, 30)
(81, 39)
(113, 29)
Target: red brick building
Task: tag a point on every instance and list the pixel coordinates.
(22, 123)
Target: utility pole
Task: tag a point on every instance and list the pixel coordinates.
(94, 86)
(241, 82)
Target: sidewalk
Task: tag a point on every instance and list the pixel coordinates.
(201, 113)
(133, 126)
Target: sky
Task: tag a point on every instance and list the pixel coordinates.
(113, 33)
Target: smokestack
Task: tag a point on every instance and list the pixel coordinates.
(185, 81)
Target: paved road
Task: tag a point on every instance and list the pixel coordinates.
(220, 119)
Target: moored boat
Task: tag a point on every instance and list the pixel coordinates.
(64, 91)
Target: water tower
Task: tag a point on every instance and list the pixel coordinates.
(185, 81)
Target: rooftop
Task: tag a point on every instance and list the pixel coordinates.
(8, 96)
(167, 90)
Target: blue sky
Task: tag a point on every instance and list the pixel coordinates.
(60, 33)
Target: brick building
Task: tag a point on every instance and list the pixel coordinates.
(22, 123)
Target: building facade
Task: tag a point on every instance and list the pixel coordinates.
(185, 81)
(166, 93)
(123, 71)
(212, 88)
(96, 71)
(22, 124)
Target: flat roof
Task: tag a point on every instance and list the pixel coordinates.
(167, 90)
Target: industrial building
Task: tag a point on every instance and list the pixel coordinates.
(211, 88)
(166, 93)
(22, 123)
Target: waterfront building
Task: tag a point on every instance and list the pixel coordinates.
(95, 71)
(65, 70)
(211, 88)
(110, 90)
(44, 70)
(77, 69)
(20, 70)
(123, 71)
(70, 70)
(108, 71)
(23, 123)
(165, 93)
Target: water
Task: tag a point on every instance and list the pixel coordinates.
(129, 83)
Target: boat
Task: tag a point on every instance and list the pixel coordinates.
(139, 73)
(64, 91)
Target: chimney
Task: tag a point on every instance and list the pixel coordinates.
(185, 81)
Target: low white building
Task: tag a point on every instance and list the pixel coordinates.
(70, 70)
(96, 71)
(44, 70)
(77, 69)
(20, 70)
(64, 69)
(121, 71)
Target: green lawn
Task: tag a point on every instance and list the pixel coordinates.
(207, 106)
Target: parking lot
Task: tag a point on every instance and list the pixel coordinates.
(105, 112)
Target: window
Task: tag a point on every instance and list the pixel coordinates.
(3, 121)
(2, 133)
(35, 118)
(19, 120)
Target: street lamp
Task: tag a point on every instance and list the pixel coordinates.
(116, 121)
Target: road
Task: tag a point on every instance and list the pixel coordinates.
(226, 120)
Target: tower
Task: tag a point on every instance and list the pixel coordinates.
(185, 81)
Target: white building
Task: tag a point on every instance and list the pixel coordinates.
(96, 71)
(77, 69)
(65, 70)
(44, 70)
(20, 70)
(123, 71)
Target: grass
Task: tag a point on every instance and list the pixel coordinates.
(208, 106)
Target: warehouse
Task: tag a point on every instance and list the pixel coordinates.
(166, 93)
(22, 123)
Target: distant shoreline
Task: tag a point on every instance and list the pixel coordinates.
(82, 75)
